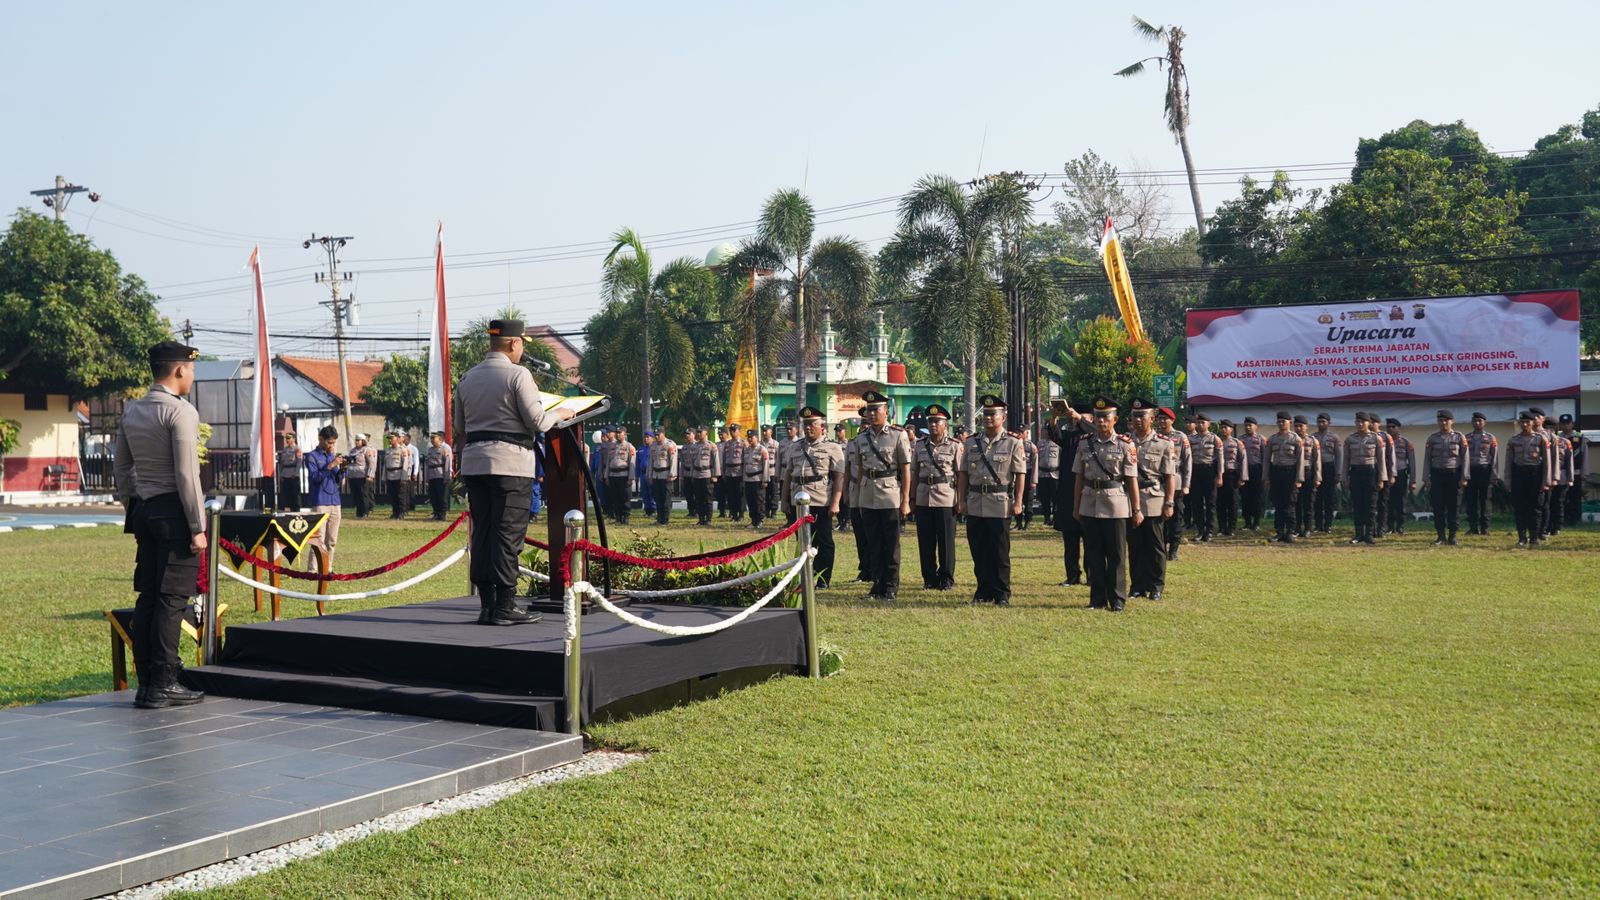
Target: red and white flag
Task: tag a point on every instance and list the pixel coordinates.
(263, 456)
(439, 349)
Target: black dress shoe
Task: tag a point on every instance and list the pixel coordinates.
(1000, 602)
(1073, 581)
(1137, 594)
(1155, 595)
(1115, 607)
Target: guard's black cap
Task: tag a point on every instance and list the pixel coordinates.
(1536, 410)
(990, 402)
(1479, 415)
(1525, 416)
(1300, 420)
(810, 412)
(172, 351)
(505, 328)
(1392, 422)
(935, 411)
(1324, 417)
(1250, 420)
(1103, 406)
(1201, 417)
(1361, 417)
(1445, 414)
(1225, 423)
(1284, 416)
(1139, 404)
(1565, 419)
(873, 398)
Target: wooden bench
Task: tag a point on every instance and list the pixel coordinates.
(122, 640)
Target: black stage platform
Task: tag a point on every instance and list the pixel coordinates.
(432, 659)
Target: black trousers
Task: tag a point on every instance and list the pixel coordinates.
(1105, 543)
(1325, 495)
(499, 506)
(661, 492)
(1554, 508)
(1026, 516)
(165, 575)
(822, 539)
(1147, 554)
(1228, 503)
(755, 493)
(1071, 531)
(1283, 499)
(1446, 495)
(1364, 499)
(1397, 501)
(1525, 493)
(863, 549)
(696, 496)
(1479, 479)
(880, 531)
(1047, 498)
(989, 542)
(1203, 496)
(1305, 502)
(288, 493)
(620, 497)
(772, 498)
(1254, 496)
(1573, 514)
(399, 497)
(936, 545)
(439, 496)
(361, 491)
(735, 498)
(1541, 513)
(1380, 522)
(1172, 530)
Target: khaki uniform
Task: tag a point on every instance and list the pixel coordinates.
(1235, 475)
(1330, 450)
(1445, 455)
(1252, 489)
(619, 479)
(1286, 456)
(1365, 467)
(1049, 469)
(498, 414)
(1103, 467)
(731, 453)
(1147, 542)
(991, 468)
(1483, 466)
(934, 467)
(663, 471)
(813, 466)
(1206, 448)
(878, 462)
(1529, 475)
(754, 464)
(698, 462)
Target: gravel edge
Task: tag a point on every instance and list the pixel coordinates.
(595, 762)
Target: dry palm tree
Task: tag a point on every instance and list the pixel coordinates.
(1177, 99)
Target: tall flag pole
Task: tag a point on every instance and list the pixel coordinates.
(439, 349)
(1121, 285)
(263, 455)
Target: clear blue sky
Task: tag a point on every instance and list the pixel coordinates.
(537, 125)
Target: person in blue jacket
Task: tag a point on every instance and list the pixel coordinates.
(641, 473)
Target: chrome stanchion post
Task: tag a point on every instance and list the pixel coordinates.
(208, 615)
(574, 643)
(808, 584)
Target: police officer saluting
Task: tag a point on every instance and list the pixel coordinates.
(1157, 498)
(498, 415)
(989, 493)
(158, 480)
(935, 462)
(882, 474)
(1107, 470)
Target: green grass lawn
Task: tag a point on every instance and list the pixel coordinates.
(1321, 719)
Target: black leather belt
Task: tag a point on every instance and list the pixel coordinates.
(1102, 484)
(988, 488)
(935, 479)
(879, 473)
(1047, 471)
(505, 437)
(1354, 466)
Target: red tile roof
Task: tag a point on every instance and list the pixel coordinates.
(325, 373)
(566, 354)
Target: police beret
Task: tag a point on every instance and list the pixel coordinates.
(1284, 416)
(1301, 420)
(1536, 410)
(1444, 414)
(649, 433)
(1250, 420)
(505, 328)
(1225, 423)
(1324, 417)
(1392, 422)
(1201, 417)
(873, 398)
(990, 401)
(1361, 417)
(1525, 416)
(172, 351)
(935, 411)
(1479, 415)
(1166, 412)
(1104, 406)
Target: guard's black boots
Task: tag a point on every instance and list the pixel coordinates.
(486, 594)
(165, 691)
(1452, 539)
(505, 610)
(145, 676)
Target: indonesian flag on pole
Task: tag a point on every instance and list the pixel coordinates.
(439, 349)
(1121, 285)
(263, 456)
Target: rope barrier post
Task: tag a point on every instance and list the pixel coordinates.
(574, 615)
(808, 584)
(208, 617)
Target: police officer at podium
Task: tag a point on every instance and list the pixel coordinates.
(498, 415)
(158, 480)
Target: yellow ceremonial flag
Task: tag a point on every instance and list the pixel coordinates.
(1121, 286)
(743, 409)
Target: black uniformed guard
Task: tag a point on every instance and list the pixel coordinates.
(1067, 428)
(498, 415)
(158, 480)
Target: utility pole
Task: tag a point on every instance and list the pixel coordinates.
(341, 309)
(56, 197)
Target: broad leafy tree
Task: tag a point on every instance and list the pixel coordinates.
(70, 318)
(1106, 362)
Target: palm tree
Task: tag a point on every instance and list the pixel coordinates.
(834, 274)
(644, 340)
(1177, 99)
(944, 260)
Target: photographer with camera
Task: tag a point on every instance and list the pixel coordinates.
(325, 469)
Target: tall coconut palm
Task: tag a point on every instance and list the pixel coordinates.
(828, 276)
(944, 261)
(644, 341)
(1177, 98)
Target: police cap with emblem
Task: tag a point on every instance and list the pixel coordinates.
(1103, 406)
(1201, 417)
(172, 351)
(989, 404)
(810, 412)
(1525, 416)
(1445, 414)
(870, 399)
(1536, 410)
(1566, 419)
(505, 328)
(935, 411)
